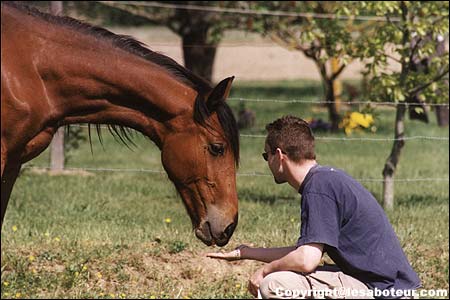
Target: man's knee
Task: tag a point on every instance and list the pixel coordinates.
(282, 285)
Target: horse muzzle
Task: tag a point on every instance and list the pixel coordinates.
(207, 234)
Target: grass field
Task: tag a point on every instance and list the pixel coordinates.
(126, 234)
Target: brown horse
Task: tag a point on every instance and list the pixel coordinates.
(58, 71)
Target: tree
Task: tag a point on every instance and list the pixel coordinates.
(324, 40)
(409, 35)
(200, 30)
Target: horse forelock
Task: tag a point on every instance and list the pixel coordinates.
(226, 119)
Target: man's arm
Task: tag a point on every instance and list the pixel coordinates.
(265, 254)
(246, 252)
(305, 259)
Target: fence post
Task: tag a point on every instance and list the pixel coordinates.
(57, 145)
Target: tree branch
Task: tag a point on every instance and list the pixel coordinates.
(335, 75)
(414, 49)
(423, 86)
(393, 23)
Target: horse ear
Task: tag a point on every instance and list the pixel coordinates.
(219, 93)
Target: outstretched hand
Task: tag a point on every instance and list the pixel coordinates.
(229, 256)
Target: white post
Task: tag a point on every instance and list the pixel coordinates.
(57, 145)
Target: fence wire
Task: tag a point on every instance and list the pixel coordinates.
(251, 11)
(253, 174)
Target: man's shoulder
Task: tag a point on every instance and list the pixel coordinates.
(323, 179)
(326, 173)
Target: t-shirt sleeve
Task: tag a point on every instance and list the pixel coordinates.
(319, 220)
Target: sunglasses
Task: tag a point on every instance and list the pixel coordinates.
(265, 155)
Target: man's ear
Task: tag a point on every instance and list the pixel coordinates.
(279, 152)
(219, 93)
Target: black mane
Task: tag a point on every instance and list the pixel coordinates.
(138, 48)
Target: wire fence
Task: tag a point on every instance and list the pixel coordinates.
(217, 9)
(326, 138)
(372, 103)
(343, 139)
(248, 174)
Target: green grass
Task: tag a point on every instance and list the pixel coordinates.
(106, 235)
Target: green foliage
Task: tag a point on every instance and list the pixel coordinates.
(177, 246)
(404, 55)
(319, 38)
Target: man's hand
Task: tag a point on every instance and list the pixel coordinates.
(255, 281)
(229, 256)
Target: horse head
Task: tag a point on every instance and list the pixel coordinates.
(201, 161)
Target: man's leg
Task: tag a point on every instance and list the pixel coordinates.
(281, 285)
(325, 282)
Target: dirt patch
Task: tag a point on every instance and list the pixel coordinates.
(188, 267)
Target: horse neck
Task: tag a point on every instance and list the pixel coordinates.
(112, 86)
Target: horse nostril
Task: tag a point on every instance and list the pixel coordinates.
(230, 229)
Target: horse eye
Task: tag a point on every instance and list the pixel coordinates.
(216, 149)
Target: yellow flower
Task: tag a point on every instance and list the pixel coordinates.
(84, 268)
(101, 294)
(46, 233)
(112, 295)
(76, 274)
(6, 283)
(167, 220)
(238, 285)
(31, 258)
(152, 297)
(18, 295)
(355, 120)
(6, 294)
(14, 228)
(57, 239)
(99, 275)
(364, 120)
(34, 271)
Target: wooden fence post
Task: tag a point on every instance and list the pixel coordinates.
(57, 145)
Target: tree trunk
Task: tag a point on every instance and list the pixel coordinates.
(392, 161)
(198, 54)
(442, 115)
(331, 104)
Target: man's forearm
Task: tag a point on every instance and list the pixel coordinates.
(304, 259)
(265, 254)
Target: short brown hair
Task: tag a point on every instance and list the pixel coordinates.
(293, 136)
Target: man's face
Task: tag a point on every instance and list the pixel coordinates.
(275, 165)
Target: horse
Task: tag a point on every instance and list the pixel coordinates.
(58, 71)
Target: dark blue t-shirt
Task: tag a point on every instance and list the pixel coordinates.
(338, 212)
